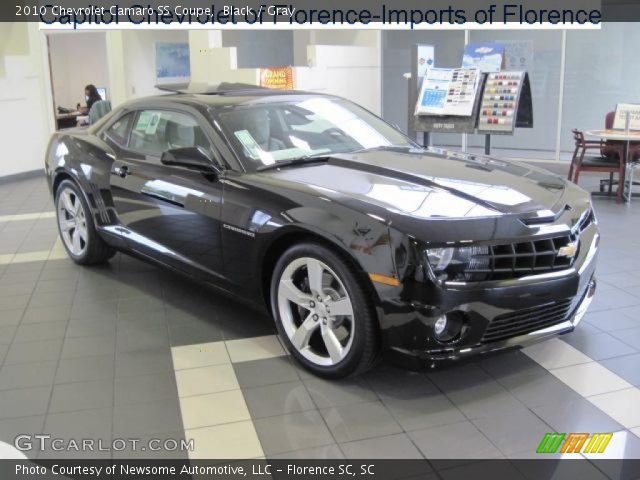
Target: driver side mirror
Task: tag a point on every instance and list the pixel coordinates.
(189, 157)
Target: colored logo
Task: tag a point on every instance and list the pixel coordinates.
(574, 442)
(569, 250)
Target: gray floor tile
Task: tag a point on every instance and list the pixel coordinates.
(24, 402)
(600, 346)
(105, 326)
(70, 397)
(88, 346)
(141, 336)
(37, 332)
(51, 299)
(145, 388)
(360, 421)
(332, 393)
(326, 452)
(292, 432)
(627, 367)
(454, 442)
(277, 399)
(94, 424)
(7, 334)
(15, 302)
(577, 416)
(630, 336)
(46, 314)
(26, 375)
(85, 369)
(13, 427)
(10, 318)
(265, 372)
(506, 432)
(147, 418)
(143, 362)
(391, 447)
(34, 351)
(420, 406)
(3, 352)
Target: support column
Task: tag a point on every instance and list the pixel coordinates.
(115, 64)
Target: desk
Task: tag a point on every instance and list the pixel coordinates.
(67, 120)
(615, 136)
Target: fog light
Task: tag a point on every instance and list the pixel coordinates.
(440, 325)
(448, 327)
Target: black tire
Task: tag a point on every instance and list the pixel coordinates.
(96, 250)
(364, 349)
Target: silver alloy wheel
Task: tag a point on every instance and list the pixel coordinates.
(72, 222)
(316, 311)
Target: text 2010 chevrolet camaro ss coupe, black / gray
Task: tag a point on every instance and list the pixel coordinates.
(357, 240)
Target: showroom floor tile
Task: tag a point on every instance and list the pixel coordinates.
(127, 349)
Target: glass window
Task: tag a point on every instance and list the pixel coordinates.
(603, 67)
(119, 131)
(156, 131)
(263, 134)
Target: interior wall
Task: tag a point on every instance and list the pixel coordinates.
(77, 59)
(139, 51)
(27, 116)
(257, 49)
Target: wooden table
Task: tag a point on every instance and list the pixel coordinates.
(616, 136)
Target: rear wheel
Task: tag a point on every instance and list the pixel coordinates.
(322, 312)
(76, 227)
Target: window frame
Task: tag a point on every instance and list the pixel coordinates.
(218, 160)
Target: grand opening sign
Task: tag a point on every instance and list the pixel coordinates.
(279, 78)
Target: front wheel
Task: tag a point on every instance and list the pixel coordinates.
(77, 230)
(323, 313)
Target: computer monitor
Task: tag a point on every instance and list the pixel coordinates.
(102, 92)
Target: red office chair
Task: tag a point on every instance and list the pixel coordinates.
(611, 164)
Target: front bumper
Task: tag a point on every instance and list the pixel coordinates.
(407, 320)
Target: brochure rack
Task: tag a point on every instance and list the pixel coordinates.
(502, 103)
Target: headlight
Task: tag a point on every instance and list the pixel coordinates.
(459, 264)
(439, 258)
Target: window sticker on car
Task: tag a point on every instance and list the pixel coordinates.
(153, 124)
(143, 121)
(249, 144)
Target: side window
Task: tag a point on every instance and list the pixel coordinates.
(156, 131)
(119, 131)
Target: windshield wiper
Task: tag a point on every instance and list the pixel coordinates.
(294, 162)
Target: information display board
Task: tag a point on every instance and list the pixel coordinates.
(506, 103)
(448, 91)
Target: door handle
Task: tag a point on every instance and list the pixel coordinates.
(121, 171)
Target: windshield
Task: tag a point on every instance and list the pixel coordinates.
(271, 132)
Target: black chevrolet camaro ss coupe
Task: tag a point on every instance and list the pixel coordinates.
(355, 238)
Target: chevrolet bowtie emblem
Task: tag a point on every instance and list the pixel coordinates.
(569, 250)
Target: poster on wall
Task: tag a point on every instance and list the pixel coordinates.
(486, 57)
(172, 62)
(448, 91)
(518, 54)
(278, 78)
(426, 59)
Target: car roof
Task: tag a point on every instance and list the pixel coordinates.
(223, 94)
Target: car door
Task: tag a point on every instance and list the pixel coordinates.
(169, 213)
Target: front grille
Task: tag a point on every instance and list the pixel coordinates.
(521, 259)
(526, 320)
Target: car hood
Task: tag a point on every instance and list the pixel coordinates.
(434, 183)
